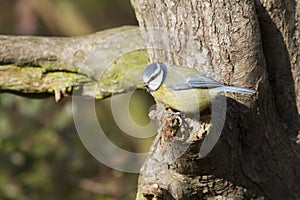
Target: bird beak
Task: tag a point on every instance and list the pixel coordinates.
(146, 86)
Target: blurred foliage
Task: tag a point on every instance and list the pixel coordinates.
(63, 17)
(41, 155)
(43, 158)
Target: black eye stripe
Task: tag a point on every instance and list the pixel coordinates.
(154, 76)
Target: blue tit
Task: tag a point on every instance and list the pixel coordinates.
(183, 89)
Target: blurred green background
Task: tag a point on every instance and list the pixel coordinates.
(41, 155)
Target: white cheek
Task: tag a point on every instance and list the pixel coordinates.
(154, 86)
(146, 79)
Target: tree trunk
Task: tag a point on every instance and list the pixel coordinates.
(246, 43)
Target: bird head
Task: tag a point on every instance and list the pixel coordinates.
(154, 75)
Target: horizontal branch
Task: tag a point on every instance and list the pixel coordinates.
(95, 65)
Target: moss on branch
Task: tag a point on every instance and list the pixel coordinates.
(96, 65)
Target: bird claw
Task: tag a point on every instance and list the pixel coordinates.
(177, 114)
(172, 122)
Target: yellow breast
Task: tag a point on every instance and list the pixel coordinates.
(188, 101)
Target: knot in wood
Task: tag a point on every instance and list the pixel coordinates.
(152, 191)
(171, 124)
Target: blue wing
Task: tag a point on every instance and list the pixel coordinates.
(200, 81)
(195, 81)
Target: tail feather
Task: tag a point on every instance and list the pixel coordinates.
(235, 89)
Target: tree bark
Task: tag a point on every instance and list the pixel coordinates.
(246, 43)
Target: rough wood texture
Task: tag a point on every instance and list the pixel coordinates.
(280, 37)
(245, 43)
(96, 65)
